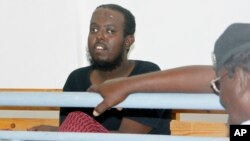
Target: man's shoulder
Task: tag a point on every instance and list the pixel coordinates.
(82, 70)
(146, 63)
(144, 67)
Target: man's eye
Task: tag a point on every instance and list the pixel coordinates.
(93, 30)
(110, 31)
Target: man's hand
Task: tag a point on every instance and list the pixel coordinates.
(113, 92)
(43, 128)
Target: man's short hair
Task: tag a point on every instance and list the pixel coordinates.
(129, 19)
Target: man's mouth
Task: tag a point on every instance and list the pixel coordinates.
(99, 48)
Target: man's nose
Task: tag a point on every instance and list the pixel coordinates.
(100, 36)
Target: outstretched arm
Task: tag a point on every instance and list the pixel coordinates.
(188, 79)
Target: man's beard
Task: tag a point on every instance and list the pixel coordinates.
(106, 65)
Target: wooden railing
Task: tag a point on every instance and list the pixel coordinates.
(177, 126)
(25, 123)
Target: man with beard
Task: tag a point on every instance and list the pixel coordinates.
(111, 34)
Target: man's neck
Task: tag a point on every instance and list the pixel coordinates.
(124, 70)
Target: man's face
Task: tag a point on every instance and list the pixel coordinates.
(106, 38)
(230, 97)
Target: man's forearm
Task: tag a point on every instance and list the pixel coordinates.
(182, 79)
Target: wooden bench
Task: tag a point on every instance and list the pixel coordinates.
(189, 128)
(198, 128)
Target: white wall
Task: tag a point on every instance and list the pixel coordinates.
(42, 41)
(38, 42)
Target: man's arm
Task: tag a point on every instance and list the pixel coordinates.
(189, 79)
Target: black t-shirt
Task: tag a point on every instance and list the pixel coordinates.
(158, 119)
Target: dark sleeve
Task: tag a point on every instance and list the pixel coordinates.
(144, 67)
(68, 86)
(74, 83)
(149, 67)
(70, 83)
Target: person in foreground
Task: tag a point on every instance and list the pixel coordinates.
(111, 35)
(229, 77)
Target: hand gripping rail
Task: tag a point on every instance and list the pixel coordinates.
(86, 99)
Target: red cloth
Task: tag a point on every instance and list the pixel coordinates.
(81, 122)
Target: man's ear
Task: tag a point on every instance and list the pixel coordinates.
(129, 40)
(243, 79)
(243, 87)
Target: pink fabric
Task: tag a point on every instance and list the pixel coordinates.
(81, 122)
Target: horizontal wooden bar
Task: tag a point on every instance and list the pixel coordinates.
(188, 128)
(25, 123)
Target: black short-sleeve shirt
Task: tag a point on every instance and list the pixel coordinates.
(158, 119)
